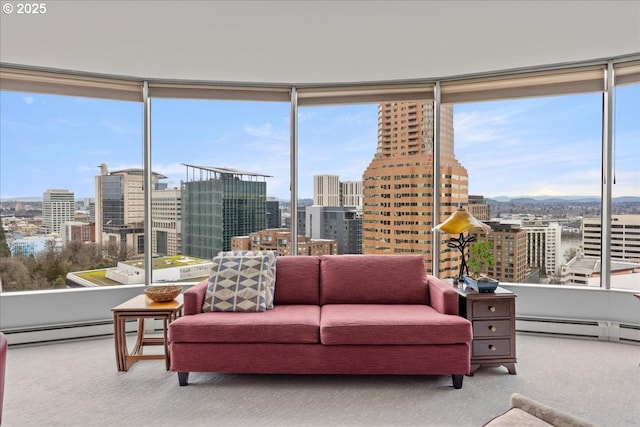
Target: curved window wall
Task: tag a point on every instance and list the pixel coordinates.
(561, 119)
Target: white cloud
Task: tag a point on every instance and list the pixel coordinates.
(28, 100)
(266, 130)
(119, 130)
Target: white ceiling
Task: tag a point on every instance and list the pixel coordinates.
(297, 42)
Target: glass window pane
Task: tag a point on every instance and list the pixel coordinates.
(224, 174)
(534, 168)
(336, 143)
(625, 203)
(62, 189)
(387, 148)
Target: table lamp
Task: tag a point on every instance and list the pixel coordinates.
(459, 222)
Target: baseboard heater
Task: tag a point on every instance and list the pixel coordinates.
(585, 329)
(64, 332)
(603, 330)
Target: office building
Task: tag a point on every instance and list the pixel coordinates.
(585, 270)
(166, 217)
(351, 194)
(478, 208)
(340, 223)
(120, 209)
(218, 204)
(398, 183)
(274, 216)
(543, 247)
(625, 237)
(326, 190)
(58, 207)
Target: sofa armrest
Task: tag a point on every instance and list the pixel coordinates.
(194, 298)
(442, 297)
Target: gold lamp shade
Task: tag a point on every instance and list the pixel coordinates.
(461, 221)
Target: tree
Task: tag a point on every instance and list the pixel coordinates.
(480, 258)
(15, 275)
(4, 247)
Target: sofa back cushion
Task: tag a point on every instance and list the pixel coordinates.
(373, 279)
(297, 280)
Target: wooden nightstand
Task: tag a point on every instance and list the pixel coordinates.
(493, 316)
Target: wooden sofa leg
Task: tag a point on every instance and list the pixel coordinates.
(457, 380)
(183, 378)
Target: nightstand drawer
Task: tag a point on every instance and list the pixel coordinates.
(491, 348)
(491, 328)
(491, 308)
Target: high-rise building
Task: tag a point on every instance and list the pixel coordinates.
(326, 190)
(58, 207)
(119, 208)
(509, 251)
(351, 194)
(543, 247)
(218, 204)
(625, 237)
(166, 217)
(339, 223)
(274, 217)
(478, 208)
(398, 183)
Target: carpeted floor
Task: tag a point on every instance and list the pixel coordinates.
(76, 384)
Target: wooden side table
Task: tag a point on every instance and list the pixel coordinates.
(141, 308)
(493, 317)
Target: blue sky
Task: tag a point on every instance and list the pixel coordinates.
(528, 147)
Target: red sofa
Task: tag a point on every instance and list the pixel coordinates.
(337, 314)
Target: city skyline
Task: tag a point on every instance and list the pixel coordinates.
(58, 142)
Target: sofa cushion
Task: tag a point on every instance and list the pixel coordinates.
(373, 279)
(298, 280)
(343, 324)
(284, 324)
(271, 270)
(238, 283)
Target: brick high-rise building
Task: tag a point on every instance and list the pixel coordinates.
(478, 208)
(509, 251)
(398, 183)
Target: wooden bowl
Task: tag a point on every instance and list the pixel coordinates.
(162, 293)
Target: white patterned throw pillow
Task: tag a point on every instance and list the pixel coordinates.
(271, 278)
(238, 283)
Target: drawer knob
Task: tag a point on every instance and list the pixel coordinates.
(492, 347)
(492, 328)
(492, 308)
